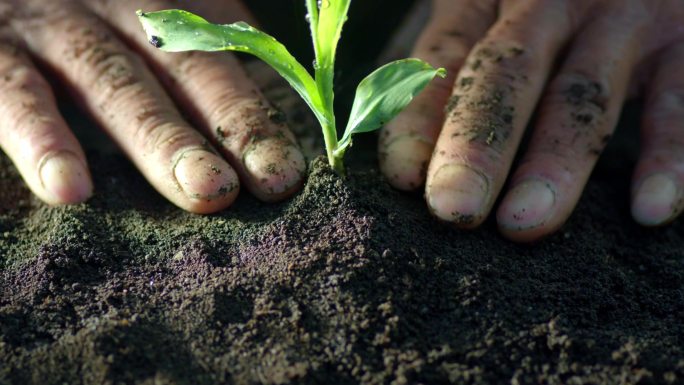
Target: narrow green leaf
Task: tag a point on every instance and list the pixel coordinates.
(312, 19)
(177, 30)
(385, 93)
(332, 14)
(327, 17)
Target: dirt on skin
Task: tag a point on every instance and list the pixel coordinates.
(348, 282)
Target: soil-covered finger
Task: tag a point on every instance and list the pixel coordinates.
(493, 99)
(406, 144)
(225, 104)
(577, 117)
(116, 87)
(288, 106)
(658, 182)
(34, 134)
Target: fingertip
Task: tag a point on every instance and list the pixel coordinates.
(527, 210)
(275, 169)
(404, 161)
(459, 194)
(655, 200)
(208, 184)
(65, 178)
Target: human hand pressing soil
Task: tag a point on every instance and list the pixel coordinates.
(573, 63)
(99, 49)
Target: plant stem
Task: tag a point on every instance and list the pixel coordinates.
(330, 137)
(324, 74)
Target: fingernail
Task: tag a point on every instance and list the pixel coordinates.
(204, 175)
(65, 177)
(275, 167)
(458, 194)
(655, 200)
(527, 205)
(405, 161)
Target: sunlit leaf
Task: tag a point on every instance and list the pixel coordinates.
(177, 30)
(327, 17)
(385, 93)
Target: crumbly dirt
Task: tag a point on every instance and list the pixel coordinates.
(348, 282)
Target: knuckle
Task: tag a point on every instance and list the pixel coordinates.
(101, 62)
(40, 136)
(158, 133)
(164, 139)
(246, 120)
(207, 71)
(578, 103)
(21, 79)
(35, 130)
(114, 74)
(447, 48)
(581, 90)
(503, 58)
(26, 110)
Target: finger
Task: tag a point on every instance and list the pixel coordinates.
(299, 117)
(224, 103)
(579, 112)
(493, 98)
(658, 183)
(214, 11)
(34, 134)
(406, 144)
(404, 39)
(125, 98)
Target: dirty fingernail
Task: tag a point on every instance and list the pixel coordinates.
(204, 175)
(404, 161)
(66, 178)
(275, 168)
(527, 205)
(655, 199)
(458, 194)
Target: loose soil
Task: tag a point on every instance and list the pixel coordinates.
(348, 282)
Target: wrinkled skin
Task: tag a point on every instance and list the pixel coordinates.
(98, 49)
(574, 62)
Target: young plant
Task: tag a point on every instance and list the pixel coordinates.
(379, 97)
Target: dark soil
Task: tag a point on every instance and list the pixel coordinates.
(348, 282)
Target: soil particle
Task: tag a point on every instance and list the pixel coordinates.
(215, 169)
(276, 116)
(220, 134)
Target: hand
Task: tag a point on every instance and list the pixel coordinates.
(573, 61)
(99, 50)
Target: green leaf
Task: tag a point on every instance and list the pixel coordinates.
(177, 30)
(385, 93)
(332, 14)
(327, 17)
